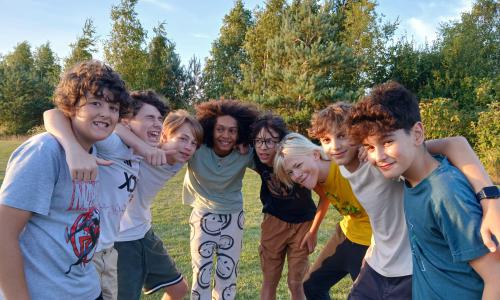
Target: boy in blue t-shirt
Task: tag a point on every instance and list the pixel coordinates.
(49, 224)
(442, 214)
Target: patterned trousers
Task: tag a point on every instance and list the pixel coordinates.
(219, 236)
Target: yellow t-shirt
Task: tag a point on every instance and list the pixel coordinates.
(355, 224)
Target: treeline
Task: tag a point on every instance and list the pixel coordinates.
(292, 57)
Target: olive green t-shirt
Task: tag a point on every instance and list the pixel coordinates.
(213, 183)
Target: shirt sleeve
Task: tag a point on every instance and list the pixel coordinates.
(459, 216)
(31, 174)
(109, 145)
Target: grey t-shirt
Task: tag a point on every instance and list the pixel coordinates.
(213, 183)
(60, 238)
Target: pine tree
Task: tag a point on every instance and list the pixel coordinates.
(309, 65)
(84, 47)
(163, 70)
(222, 73)
(193, 83)
(125, 48)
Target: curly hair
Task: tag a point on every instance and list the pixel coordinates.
(175, 119)
(90, 78)
(334, 116)
(269, 121)
(245, 115)
(389, 107)
(139, 98)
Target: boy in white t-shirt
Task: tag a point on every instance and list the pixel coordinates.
(388, 261)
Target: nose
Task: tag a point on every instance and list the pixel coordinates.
(295, 175)
(378, 154)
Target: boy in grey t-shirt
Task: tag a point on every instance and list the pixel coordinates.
(49, 224)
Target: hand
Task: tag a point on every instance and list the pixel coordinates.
(154, 156)
(82, 165)
(491, 222)
(309, 241)
(242, 149)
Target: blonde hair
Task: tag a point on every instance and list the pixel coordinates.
(293, 144)
(175, 119)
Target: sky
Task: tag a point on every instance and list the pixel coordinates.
(191, 24)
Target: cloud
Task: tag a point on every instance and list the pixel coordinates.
(161, 4)
(424, 31)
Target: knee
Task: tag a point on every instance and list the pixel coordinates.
(176, 291)
(296, 287)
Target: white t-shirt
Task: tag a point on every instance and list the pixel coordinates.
(389, 253)
(137, 218)
(118, 182)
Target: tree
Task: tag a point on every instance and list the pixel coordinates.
(125, 48)
(26, 87)
(470, 51)
(309, 66)
(222, 73)
(164, 72)
(193, 83)
(267, 26)
(84, 47)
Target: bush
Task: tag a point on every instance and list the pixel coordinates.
(487, 146)
(442, 118)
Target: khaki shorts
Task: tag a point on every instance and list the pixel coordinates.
(281, 239)
(105, 262)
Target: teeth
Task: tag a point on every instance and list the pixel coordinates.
(101, 124)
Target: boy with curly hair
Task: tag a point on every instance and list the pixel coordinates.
(443, 216)
(49, 223)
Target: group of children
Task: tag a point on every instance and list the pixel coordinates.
(70, 231)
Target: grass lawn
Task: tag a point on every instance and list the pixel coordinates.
(170, 220)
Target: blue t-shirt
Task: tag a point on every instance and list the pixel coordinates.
(444, 219)
(61, 236)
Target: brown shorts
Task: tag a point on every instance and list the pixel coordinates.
(281, 239)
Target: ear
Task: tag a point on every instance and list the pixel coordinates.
(417, 132)
(316, 155)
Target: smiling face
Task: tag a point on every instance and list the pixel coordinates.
(303, 169)
(225, 135)
(95, 120)
(338, 147)
(393, 154)
(147, 124)
(265, 145)
(185, 142)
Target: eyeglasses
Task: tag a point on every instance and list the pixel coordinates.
(270, 143)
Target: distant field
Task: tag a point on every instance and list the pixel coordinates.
(171, 224)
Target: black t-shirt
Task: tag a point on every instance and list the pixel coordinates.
(292, 205)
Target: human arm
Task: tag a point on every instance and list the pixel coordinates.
(462, 156)
(81, 164)
(488, 267)
(12, 278)
(153, 155)
(310, 238)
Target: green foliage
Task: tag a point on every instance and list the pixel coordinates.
(84, 46)
(266, 27)
(308, 65)
(441, 118)
(125, 48)
(470, 51)
(487, 129)
(193, 83)
(26, 87)
(164, 72)
(222, 73)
